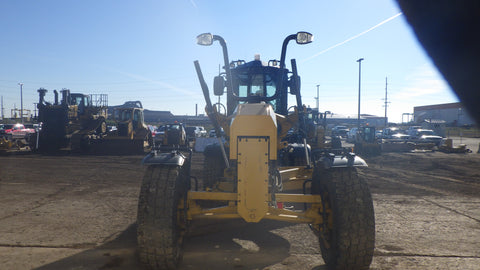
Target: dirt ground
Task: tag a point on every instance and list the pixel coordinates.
(78, 212)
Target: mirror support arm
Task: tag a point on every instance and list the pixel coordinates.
(284, 49)
(228, 73)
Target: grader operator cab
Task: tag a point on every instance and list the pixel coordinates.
(264, 165)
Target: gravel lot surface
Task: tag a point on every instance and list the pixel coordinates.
(78, 212)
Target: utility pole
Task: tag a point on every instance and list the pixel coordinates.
(386, 103)
(21, 101)
(359, 83)
(318, 97)
(35, 109)
(2, 108)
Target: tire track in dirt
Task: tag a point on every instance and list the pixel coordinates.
(452, 210)
(73, 246)
(397, 176)
(406, 254)
(37, 204)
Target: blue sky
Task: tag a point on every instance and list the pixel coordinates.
(144, 50)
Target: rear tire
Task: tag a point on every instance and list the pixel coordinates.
(347, 238)
(213, 165)
(160, 218)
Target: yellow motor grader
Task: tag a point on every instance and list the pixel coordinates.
(263, 168)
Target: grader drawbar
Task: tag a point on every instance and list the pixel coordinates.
(262, 169)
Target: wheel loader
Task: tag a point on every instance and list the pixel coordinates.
(263, 168)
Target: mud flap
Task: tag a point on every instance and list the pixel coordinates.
(174, 158)
(349, 160)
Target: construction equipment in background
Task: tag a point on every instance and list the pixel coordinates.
(17, 134)
(76, 122)
(132, 135)
(448, 147)
(315, 128)
(261, 168)
(174, 134)
(5, 144)
(366, 143)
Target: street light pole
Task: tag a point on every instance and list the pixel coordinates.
(318, 97)
(21, 101)
(359, 81)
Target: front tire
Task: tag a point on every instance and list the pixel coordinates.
(347, 237)
(160, 218)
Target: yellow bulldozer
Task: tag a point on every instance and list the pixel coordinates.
(132, 135)
(366, 143)
(73, 122)
(263, 168)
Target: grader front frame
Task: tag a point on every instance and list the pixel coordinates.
(264, 166)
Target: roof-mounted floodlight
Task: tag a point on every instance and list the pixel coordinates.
(272, 63)
(205, 39)
(304, 38)
(237, 63)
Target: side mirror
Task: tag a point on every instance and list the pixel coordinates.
(294, 84)
(218, 85)
(205, 39)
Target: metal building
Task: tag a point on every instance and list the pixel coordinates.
(453, 114)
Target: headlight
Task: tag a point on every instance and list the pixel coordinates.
(205, 39)
(304, 38)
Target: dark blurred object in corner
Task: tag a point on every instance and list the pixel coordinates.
(449, 30)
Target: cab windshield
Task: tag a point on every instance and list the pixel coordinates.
(123, 115)
(256, 84)
(260, 85)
